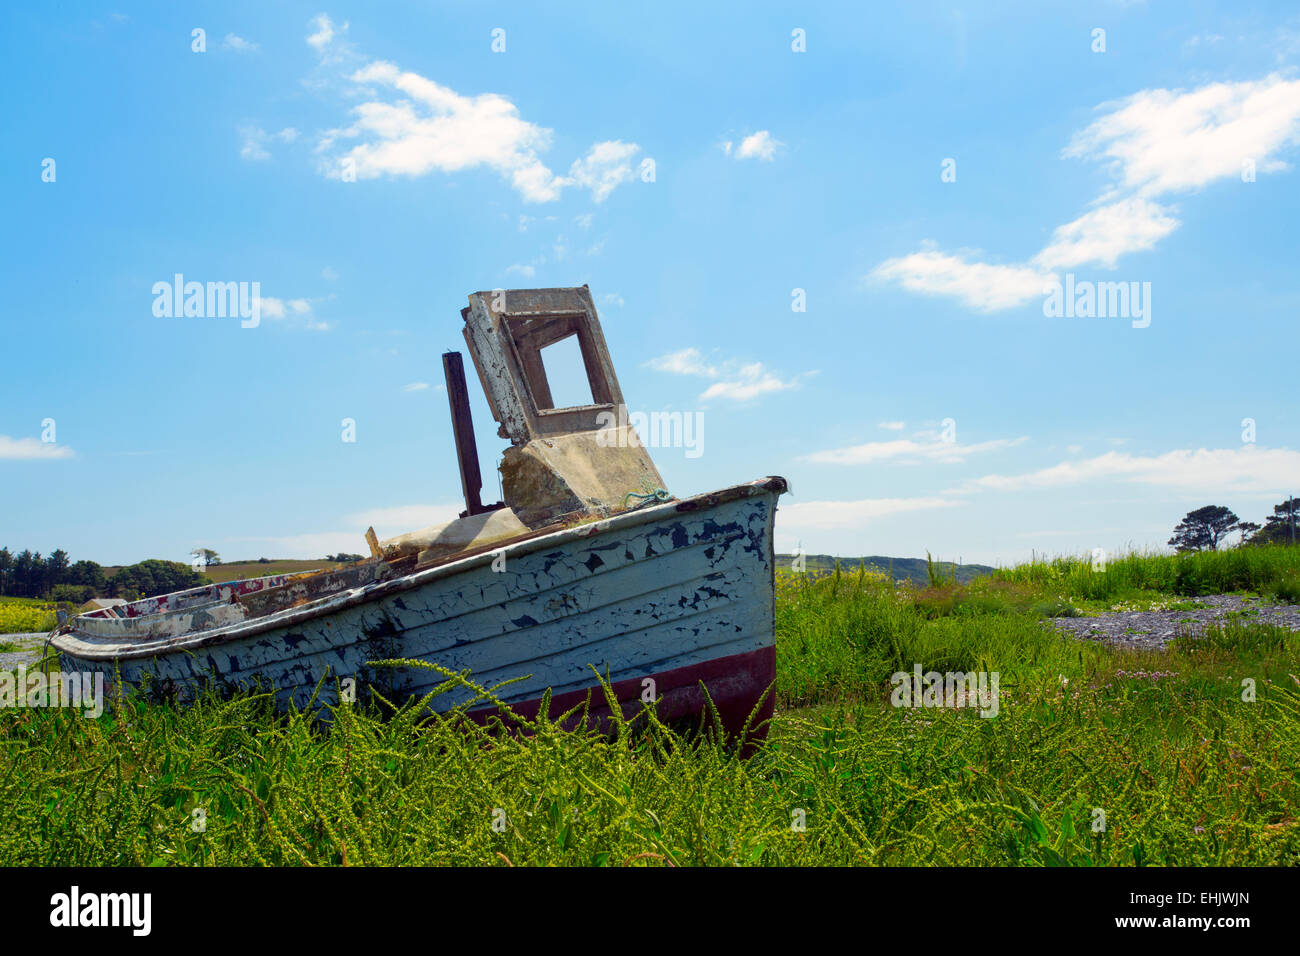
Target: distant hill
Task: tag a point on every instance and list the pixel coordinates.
(902, 569)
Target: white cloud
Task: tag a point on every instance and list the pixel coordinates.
(271, 307)
(299, 310)
(1216, 471)
(908, 451)
(31, 449)
(415, 387)
(979, 285)
(612, 298)
(255, 139)
(1154, 142)
(325, 31)
(741, 382)
(1159, 141)
(892, 426)
(685, 362)
(760, 145)
(1100, 237)
(606, 166)
(438, 129)
(523, 270)
(753, 380)
(841, 515)
(238, 44)
(428, 128)
(253, 148)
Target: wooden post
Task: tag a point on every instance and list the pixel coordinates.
(471, 480)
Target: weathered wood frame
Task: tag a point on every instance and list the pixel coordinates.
(506, 331)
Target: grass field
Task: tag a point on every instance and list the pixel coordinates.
(221, 573)
(1096, 756)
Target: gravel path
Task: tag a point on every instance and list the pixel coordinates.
(1152, 630)
(29, 649)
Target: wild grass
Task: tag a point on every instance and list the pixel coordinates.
(1096, 757)
(1197, 573)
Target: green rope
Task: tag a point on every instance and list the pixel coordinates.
(658, 495)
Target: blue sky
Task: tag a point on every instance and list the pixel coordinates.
(922, 172)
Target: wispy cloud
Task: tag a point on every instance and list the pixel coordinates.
(254, 141)
(298, 311)
(1218, 470)
(1101, 236)
(907, 451)
(1154, 143)
(979, 285)
(761, 145)
(737, 381)
(605, 167)
(749, 382)
(325, 34)
(685, 362)
(238, 44)
(31, 449)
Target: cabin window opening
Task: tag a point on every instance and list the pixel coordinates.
(566, 373)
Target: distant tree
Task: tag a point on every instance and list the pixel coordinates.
(77, 594)
(36, 576)
(23, 573)
(88, 574)
(209, 557)
(151, 578)
(344, 557)
(56, 568)
(1282, 526)
(1248, 531)
(1203, 529)
(6, 569)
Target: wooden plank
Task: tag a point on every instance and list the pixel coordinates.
(462, 424)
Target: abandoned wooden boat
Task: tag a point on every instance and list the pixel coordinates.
(586, 567)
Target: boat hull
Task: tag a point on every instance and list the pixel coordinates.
(670, 602)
